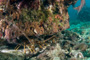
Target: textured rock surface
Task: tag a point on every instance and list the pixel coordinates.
(4, 56)
(44, 17)
(63, 48)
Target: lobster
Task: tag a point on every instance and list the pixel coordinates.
(25, 19)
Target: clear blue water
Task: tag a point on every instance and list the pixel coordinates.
(84, 14)
(73, 13)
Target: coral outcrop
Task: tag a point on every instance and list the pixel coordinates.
(37, 25)
(39, 16)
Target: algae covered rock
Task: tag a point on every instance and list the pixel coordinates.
(26, 19)
(39, 16)
(37, 24)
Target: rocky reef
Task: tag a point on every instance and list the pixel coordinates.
(33, 18)
(33, 30)
(39, 17)
(65, 46)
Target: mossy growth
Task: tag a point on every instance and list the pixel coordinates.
(34, 15)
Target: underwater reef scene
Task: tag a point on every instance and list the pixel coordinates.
(41, 30)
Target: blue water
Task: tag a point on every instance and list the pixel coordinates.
(73, 13)
(80, 21)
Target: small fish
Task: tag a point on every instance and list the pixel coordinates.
(80, 7)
